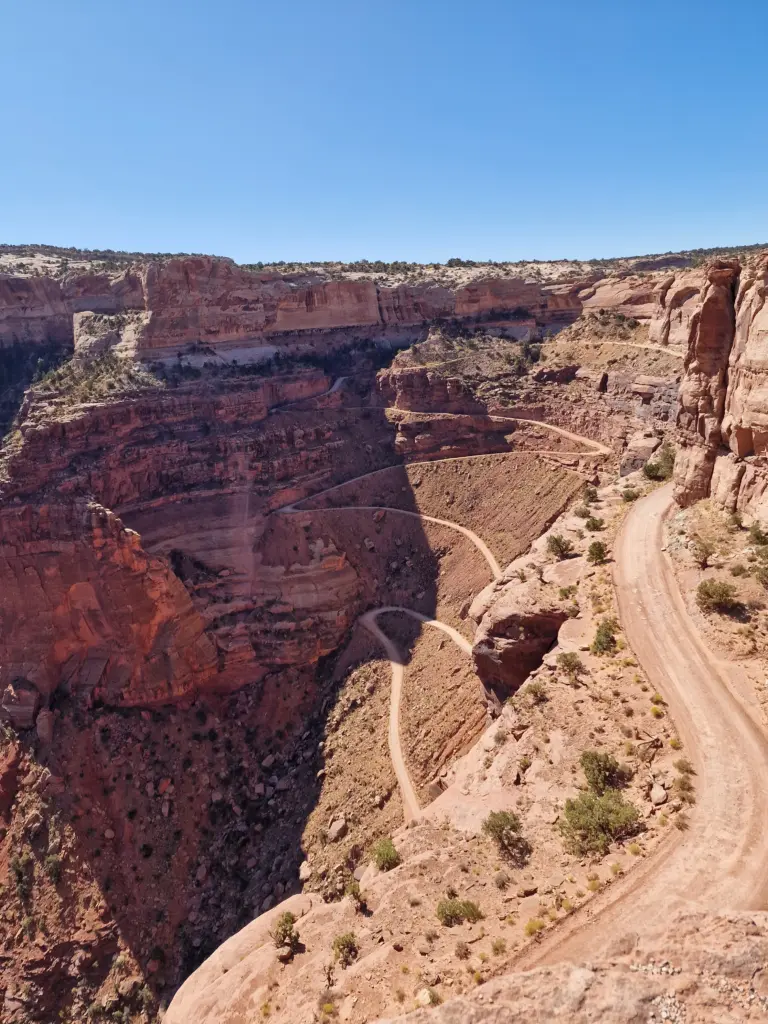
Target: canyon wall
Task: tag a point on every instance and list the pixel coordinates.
(723, 417)
(208, 306)
(140, 557)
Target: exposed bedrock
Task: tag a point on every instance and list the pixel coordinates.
(517, 623)
(156, 308)
(723, 418)
(192, 582)
(83, 606)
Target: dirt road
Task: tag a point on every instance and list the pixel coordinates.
(722, 860)
(368, 620)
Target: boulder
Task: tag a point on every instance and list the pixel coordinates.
(658, 795)
(337, 829)
(19, 704)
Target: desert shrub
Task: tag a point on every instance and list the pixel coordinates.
(761, 575)
(462, 951)
(594, 525)
(355, 893)
(455, 911)
(702, 550)
(739, 569)
(602, 771)
(284, 934)
(18, 864)
(660, 467)
(597, 552)
(52, 865)
(504, 828)
(537, 691)
(385, 855)
(757, 535)
(716, 596)
(345, 948)
(630, 494)
(588, 494)
(566, 592)
(591, 823)
(582, 511)
(501, 880)
(498, 947)
(684, 766)
(571, 664)
(558, 546)
(533, 926)
(605, 636)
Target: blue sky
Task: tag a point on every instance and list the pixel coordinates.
(408, 129)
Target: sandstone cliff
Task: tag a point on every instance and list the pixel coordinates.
(722, 420)
(208, 306)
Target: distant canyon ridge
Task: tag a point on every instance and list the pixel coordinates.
(197, 307)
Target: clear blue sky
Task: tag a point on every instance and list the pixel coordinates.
(406, 129)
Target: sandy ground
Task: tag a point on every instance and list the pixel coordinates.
(722, 858)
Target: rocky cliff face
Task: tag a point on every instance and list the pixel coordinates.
(141, 559)
(723, 401)
(159, 308)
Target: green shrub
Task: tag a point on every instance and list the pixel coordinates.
(591, 822)
(498, 947)
(702, 550)
(345, 948)
(558, 546)
(284, 935)
(455, 911)
(717, 596)
(605, 636)
(504, 828)
(582, 511)
(355, 893)
(385, 855)
(597, 552)
(534, 926)
(537, 691)
(757, 535)
(588, 494)
(52, 865)
(661, 466)
(594, 525)
(602, 771)
(571, 664)
(18, 865)
(630, 494)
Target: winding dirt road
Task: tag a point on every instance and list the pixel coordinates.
(368, 620)
(722, 860)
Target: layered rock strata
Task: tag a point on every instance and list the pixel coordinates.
(209, 308)
(723, 417)
(140, 558)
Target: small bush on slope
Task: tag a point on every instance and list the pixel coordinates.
(558, 546)
(504, 828)
(603, 771)
(716, 596)
(591, 823)
(385, 855)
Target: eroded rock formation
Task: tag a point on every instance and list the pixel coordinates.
(723, 418)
